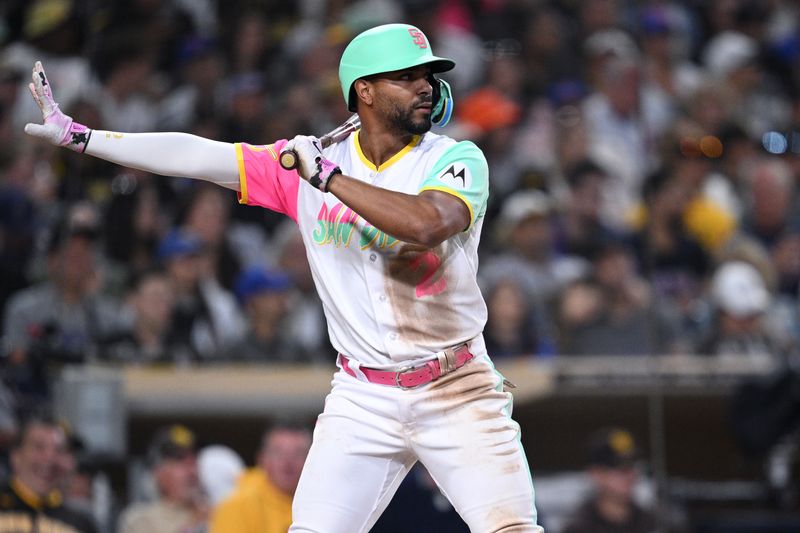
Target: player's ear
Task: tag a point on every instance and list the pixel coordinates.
(365, 91)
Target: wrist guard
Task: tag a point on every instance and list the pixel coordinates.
(326, 170)
(77, 137)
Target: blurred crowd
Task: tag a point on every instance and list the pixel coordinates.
(187, 486)
(644, 169)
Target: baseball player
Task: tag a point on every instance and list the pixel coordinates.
(391, 218)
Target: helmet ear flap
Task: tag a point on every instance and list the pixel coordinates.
(442, 98)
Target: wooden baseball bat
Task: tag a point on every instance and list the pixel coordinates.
(289, 158)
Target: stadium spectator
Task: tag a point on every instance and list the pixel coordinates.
(612, 471)
(206, 317)
(262, 502)
(622, 115)
(740, 326)
(615, 312)
(512, 328)
(63, 318)
(151, 338)
(207, 217)
(219, 467)
(758, 102)
(126, 70)
(265, 296)
(667, 254)
(180, 504)
(772, 218)
(198, 95)
(135, 220)
(664, 31)
(625, 84)
(84, 486)
(580, 226)
(32, 499)
(528, 256)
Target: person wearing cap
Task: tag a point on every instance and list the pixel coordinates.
(391, 217)
(526, 235)
(262, 501)
(180, 505)
(219, 467)
(265, 296)
(205, 315)
(32, 500)
(611, 507)
(741, 304)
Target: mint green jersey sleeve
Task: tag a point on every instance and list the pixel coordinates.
(463, 172)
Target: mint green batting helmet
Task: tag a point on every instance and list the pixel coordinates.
(385, 49)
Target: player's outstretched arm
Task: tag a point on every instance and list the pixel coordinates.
(169, 154)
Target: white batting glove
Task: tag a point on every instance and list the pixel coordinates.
(312, 167)
(58, 128)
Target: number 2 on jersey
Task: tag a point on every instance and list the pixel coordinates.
(429, 263)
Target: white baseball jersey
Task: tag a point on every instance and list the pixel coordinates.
(386, 301)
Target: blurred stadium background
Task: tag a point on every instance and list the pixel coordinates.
(640, 255)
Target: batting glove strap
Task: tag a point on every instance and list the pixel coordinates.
(77, 137)
(326, 170)
(69, 133)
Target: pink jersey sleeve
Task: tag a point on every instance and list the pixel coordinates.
(263, 181)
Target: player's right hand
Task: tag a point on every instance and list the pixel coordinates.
(309, 152)
(57, 128)
(312, 167)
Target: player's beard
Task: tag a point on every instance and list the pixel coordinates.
(402, 120)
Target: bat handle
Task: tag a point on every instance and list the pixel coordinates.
(289, 159)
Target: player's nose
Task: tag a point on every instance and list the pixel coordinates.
(424, 86)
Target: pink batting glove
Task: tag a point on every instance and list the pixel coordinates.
(58, 128)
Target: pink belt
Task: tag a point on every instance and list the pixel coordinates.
(411, 377)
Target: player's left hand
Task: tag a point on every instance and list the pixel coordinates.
(312, 167)
(57, 128)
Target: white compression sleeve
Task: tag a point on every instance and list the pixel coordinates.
(169, 154)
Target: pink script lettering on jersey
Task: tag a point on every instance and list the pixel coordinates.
(337, 225)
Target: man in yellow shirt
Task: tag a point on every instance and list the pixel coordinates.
(262, 502)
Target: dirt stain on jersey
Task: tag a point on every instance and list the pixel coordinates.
(418, 286)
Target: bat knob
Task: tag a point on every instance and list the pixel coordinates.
(288, 159)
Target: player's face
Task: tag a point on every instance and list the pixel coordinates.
(405, 97)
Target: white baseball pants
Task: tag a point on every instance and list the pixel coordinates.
(459, 427)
